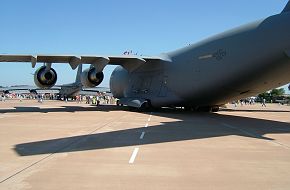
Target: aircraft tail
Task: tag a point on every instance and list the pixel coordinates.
(79, 72)
(287, 8)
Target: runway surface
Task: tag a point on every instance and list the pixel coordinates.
(57, 145)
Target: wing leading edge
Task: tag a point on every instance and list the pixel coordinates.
(128, 62)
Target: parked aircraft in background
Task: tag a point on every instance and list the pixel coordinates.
(233, 65)
(67, 90)
(72, 89)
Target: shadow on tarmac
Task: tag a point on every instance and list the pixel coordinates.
(269, 111)
(109, 108)
(188, 126)
(105, 108)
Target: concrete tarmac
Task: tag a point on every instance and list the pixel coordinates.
(58, 145)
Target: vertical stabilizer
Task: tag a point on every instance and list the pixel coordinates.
(79, 72)
(287, 7)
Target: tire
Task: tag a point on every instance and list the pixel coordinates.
(215, 109)
(146, 106)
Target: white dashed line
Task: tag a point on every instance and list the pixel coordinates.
(149, 119)
(142, 135)
(134, 154)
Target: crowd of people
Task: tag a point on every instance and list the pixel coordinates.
(97, 99)
(248, 101)
(253, 101)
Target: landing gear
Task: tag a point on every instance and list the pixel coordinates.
(208, 109)
(118, 103)
(146, 106)
(202, 109)
(215, 109)
(188, 108)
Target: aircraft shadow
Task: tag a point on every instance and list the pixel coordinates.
(255, 110)
(187, 126)
(104, 108)
(109, 108)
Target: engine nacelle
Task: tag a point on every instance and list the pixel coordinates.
(45, 78)
(91, 78)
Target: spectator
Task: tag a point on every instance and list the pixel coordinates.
(264, 102)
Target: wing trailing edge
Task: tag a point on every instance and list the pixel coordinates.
(128, 62)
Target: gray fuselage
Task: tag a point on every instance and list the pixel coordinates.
(233, 65)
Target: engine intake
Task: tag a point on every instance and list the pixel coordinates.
(91, 78)
(45, 78)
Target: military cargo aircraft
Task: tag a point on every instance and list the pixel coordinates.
(233, 65)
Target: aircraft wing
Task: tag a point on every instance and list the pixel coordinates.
(96, 89)
(33, 89)
(129, 62)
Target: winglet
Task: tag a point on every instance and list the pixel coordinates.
(287, 8)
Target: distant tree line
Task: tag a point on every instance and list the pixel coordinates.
(273, 95)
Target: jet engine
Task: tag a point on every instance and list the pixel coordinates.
(45, 78)
(91, 78)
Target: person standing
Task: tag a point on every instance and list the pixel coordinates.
(264, 102)
(94, 100)
(87, 99)
(98, 100)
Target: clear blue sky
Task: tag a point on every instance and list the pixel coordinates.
(110, 27)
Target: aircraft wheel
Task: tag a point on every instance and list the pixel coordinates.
(204, 109)
(146, 106)
(188, 108)
(215, 109)
(118, 103)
